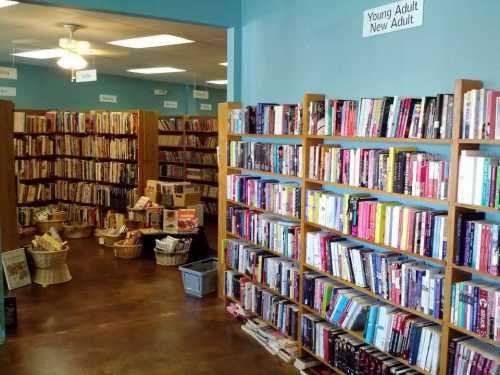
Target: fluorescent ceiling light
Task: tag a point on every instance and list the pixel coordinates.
(7, 3)
(41, 54)
(223, 63)
(158, 70)
(218, 82)
(151, 41)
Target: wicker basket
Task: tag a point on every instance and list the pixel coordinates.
(43, 226)
(127, 251)
(171, 259)
(58, 215)
(50, 267)
(109, 241)
(78, 231)
(48, 259)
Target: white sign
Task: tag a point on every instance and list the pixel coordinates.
(397, 16)
(8, 73)
(104, 98)
(7, 91)
(86, 75)
(170, 104)
(160, 92)
(200, 94)
(206, 107)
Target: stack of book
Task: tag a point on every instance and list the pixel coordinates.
(478, 243)
(401, 170)
(279, 197)
(479, 179)
(480, 114)
(267, 157)
(267, 119)
(475, 307)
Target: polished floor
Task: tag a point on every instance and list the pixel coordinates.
(126, 317)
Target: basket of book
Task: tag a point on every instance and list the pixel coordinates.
(49, 218)
(130, 247)
(44, 226)
(172, 251)
(78, 230)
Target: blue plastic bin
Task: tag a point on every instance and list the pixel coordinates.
(200, 278)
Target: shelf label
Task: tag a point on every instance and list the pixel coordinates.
(200, 94)
(105, 98)
(8, 73)
(170, 104)
(8, 91)
(86, 75)
(397, 16)
(206, 107)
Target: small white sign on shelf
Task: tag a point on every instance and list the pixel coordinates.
(105, 98)
(160, 92)
(206, 107)
(397, 16)
(200, 94)
(8, 91)
(170, 104)
(8, 73)
(86, 75)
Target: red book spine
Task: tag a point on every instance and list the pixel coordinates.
(483, 308)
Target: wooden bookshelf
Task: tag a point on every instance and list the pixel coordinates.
(452, 272)
(184, 131)
(146, 138)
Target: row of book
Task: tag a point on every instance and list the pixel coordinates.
(92, 122)
(469, 356)
(475, 306)
(201, 141)
(271, 232)
(29, 169)
(397, 117)
(171, 170)
(276, 273)
(267, 119)
(421, 231)
(90, 193)
(478, 243)
(173, 124)
(26, 215)
(479, 179)
(34, 192)
(170, 140)
(210, 208)
(481, 114)
(401, 170)
(274, 309)
(197, 157)
(268, 157)
(202, 174)
(171, 156)
(346, 352)
(279, 197)
(96, 147)
(202, 124)
(28, 145)
(79, 213)
(207, 191)
(389, 275)
(89, 170)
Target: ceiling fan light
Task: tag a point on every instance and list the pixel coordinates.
(72, 61)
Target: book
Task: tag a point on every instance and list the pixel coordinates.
(170, 220)
(480, 114)
(15, 265)
(187, 220)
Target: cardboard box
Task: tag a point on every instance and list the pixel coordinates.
(186, 199)
(199, 212)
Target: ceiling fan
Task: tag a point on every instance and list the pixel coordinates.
(73, 50)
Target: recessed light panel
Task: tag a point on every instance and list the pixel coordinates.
(7, 3)
(158, 70)
(218, 82)
(41, 54)
(151, 41)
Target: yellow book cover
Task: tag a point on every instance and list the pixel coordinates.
(380, 222)
(390, 165)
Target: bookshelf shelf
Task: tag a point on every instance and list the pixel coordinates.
(373, 295)
(475, 335)
(381, 139)
(379, 192)
(478, 208)
(472, 271)
(479, 141)
(235, 203)
(368, 242)
(275, 136)
(256, 171)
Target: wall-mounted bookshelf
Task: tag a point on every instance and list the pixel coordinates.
(87, 162)
(436, 259)
(188, 152)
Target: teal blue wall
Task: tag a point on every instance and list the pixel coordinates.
(42, 88)
(296, 46)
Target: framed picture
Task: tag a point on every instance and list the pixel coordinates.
(16, 268)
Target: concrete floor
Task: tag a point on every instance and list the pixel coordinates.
(126, 317)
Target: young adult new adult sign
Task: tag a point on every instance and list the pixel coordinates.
(397, 16)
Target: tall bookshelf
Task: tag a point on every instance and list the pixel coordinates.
(452, 272)
(196, 163)
(76, 138)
